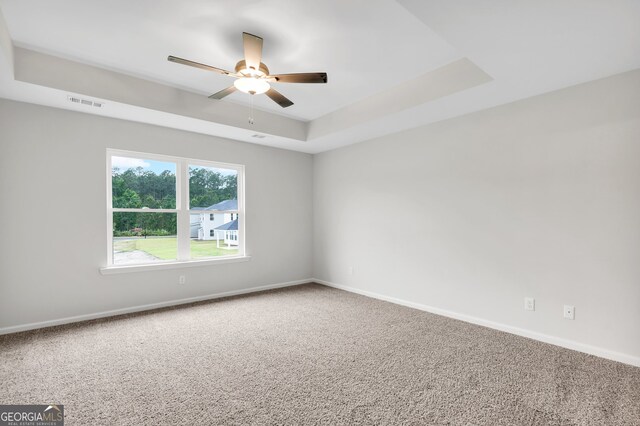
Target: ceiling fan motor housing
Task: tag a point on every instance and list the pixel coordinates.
(242, 65)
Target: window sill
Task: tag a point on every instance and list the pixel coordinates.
(109, 270)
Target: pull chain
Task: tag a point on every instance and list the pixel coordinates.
(251, 111)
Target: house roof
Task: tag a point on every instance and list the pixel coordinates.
(229, 226)
(224, 205)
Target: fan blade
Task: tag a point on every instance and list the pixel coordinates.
(252, 50)
(225, 92)
(198, 65)
(278, 98)
(307, 77)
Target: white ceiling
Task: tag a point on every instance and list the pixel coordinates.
(346, 39)
(369, 48)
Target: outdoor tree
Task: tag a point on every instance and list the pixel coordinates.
(139, 188)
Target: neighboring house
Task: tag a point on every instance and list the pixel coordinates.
(194, 223)
(203, 225)
(228, 232)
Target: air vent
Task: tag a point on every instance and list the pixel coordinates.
(257, 136)
(86, 102)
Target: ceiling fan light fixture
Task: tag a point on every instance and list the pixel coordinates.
(252, 74)
(251, 85)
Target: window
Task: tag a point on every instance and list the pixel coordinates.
(155, 208)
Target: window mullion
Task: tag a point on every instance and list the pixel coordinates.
(182, 201)
(142, 210)
(241, 212)
(109, 211)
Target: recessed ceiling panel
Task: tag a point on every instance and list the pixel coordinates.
(366, 46)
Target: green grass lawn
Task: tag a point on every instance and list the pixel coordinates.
(167, 248)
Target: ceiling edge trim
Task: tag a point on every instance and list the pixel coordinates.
(452, 78)
(6, 47)
(62, 74)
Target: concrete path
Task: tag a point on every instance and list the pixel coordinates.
(135, 256)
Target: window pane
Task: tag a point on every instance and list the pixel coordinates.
(213, 238)
(138, 182)
(213, 188)
(144, 237)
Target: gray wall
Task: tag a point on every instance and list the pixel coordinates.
(537, 198)
(53, 215)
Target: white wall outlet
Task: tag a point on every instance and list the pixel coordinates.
(350, 270)
(529, 304)
(569, 312)
(182, 279)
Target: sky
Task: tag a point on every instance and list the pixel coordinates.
(157, 167)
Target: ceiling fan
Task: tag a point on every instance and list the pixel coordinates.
(253, 76)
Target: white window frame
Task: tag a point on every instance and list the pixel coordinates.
(182, 211)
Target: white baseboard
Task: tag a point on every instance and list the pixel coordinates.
(104, 314)
(569, 344)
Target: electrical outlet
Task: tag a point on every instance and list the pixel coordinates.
(569, 312)
(182, 279)
(529, 304)
(350, 270)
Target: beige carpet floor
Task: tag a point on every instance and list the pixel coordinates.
(309, 355)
